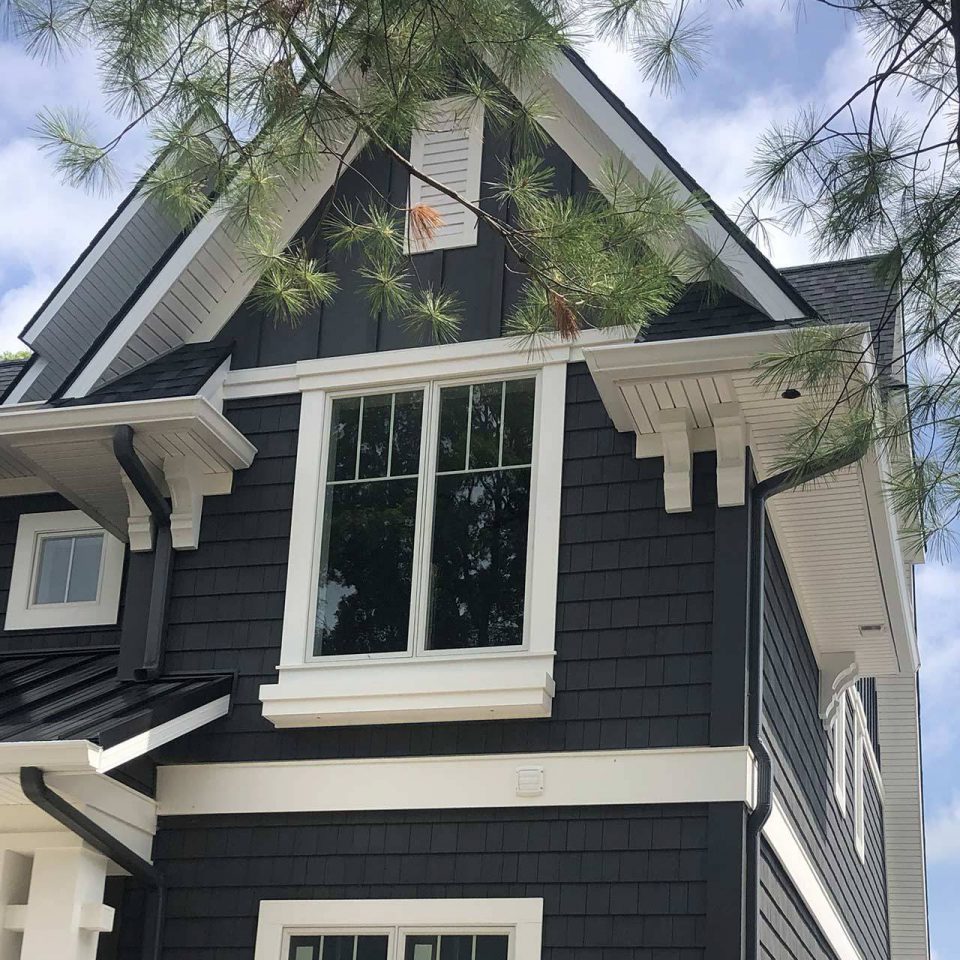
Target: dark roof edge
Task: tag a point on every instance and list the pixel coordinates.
(840, 261)
(673, 165)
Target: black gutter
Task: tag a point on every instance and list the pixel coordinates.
(35, 789)
(759, 495)
(141, 640)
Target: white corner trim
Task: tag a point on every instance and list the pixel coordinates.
(521, 917)
(805, 876)
(22, 613)
(838, 736)
(142, 743)
(588, 778)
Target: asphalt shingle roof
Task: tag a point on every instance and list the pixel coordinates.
(180, 373)
(9, 370)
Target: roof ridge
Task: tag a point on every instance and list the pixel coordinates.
(815, 264)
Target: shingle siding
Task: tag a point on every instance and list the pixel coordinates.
(618, 883)
(802, 770)
(787, 929)
(634, 619)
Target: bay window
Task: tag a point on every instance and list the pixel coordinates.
(423, 557)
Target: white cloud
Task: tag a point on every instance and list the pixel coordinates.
(943, 833)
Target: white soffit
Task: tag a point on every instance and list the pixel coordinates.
(184, 439)
(206, 279)
(837, 536)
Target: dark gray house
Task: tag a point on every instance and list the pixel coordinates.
(323, 644)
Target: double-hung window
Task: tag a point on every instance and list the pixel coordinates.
(423, 558)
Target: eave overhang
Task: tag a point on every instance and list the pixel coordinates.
(839, 537)
(186, 441)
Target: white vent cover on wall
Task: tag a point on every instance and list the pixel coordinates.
(449, 151)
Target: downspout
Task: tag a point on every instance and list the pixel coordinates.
(759, 495)
(151, 663)
(38, 793)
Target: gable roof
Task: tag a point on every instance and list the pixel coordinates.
(9, 371)
(195, 285)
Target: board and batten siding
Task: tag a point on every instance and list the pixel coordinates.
(802, 770)
(618, 883)
(635, 599)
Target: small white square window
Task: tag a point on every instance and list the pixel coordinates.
(67, 572)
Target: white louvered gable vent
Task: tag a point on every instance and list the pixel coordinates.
(449, 151)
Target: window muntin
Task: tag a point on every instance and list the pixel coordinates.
(393, 529)
(456, 946)
(431, 944)
(68, 568)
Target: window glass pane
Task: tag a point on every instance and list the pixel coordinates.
(366, 567)
(452, 446)
(85, 569)
(338, 947)
(485, 426)
(492, 947)
(53, 570)
(375, 436)
(478, 568)
(343, 438)
(304, 948)
(456, 947)
(518, 422)
(407, 417)
(420, 948)
(372, 948)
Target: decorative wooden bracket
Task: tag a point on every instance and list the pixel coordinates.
(838, 672)
(674, 428)
(731, 437)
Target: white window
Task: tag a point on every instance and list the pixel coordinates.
(455, 929)
(67, 572)
(423, 555)
(838, 730)
(448, 150)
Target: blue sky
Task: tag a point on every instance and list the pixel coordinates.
(765, 63)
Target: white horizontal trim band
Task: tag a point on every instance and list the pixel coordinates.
(591, 778)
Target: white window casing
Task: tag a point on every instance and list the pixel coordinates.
(859, 745)
(24, 612)
(423, 685)
(521, 919)
(838, 732)
(449, 150)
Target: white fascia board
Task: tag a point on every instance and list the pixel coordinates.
(228, 442)
(59, 755)
(873, 468)
(587, 778)
(129, 211)
(416, 364)
(588, 128)
(25, 382)
(805, 876)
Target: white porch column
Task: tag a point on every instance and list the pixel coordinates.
(14, 889)
(65, 913)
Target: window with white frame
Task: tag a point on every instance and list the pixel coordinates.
(423, 554)
(838, 732)
(454, 929)
(67, 572)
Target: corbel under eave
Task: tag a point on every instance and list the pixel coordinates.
(838, 673)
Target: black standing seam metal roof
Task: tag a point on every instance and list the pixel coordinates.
(180, 373)
(76, 695)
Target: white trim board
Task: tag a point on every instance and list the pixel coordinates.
(521, 917)
(805, 876)
(589, 778)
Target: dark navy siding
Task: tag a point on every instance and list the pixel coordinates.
(618, 883)
(787, 929)
(10, 510)
(634, 619)
(802, 770)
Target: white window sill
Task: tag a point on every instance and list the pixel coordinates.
(488, 686)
